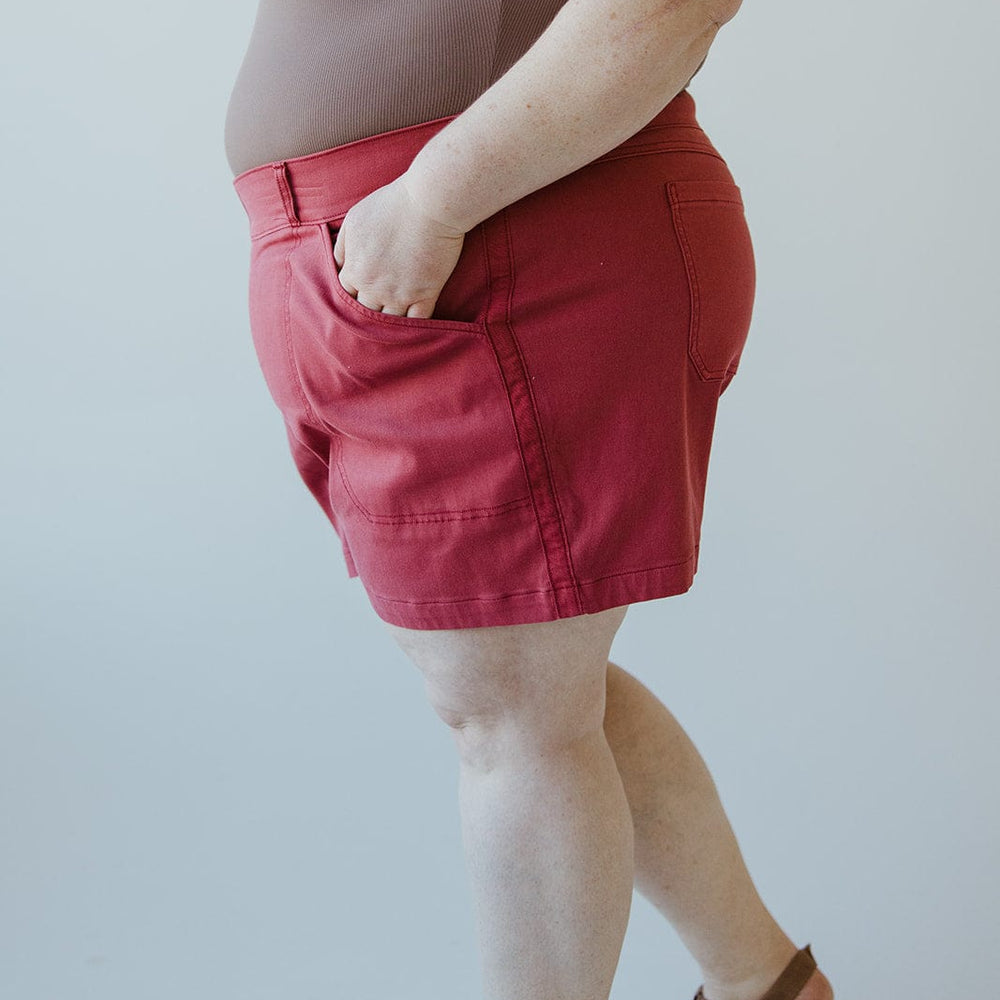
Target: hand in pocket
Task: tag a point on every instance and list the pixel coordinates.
(392, 257)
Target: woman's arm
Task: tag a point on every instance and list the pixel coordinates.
(598, 73)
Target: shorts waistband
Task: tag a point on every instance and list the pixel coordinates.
(320, 187)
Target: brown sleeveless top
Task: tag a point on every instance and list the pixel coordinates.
(320, 73)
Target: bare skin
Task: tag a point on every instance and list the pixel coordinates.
(546, 826)
(576, 783)
(576, 786)
(687, 860)
(600, 71)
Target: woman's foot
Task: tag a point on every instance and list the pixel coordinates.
(800, 980)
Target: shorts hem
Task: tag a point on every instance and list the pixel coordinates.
(540, 605)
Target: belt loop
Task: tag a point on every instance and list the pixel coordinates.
(285, 190)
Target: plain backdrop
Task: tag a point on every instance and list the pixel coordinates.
(221, 780)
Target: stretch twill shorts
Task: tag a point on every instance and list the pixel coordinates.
(539, 448)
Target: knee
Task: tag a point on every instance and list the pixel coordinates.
(497, 710)
(516, 690)
(489, 732)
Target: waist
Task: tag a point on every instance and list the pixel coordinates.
(321, 187)
(321, 73)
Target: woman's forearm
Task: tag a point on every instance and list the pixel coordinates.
(600, 71)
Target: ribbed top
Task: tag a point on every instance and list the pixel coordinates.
(320, 73)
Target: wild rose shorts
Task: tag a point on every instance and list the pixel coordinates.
(539, 448)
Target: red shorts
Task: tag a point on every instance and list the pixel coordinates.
(539, 448)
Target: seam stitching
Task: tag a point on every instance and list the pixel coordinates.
(694, 325)
(527, 593)
(289, 351)
(536, 424)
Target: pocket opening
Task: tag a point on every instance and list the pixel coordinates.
(328, 234)
(424, 426)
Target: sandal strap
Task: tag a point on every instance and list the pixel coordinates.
(789, 984)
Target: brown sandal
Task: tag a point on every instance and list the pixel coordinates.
(800, 980)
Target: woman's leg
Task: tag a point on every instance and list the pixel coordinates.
(546, 826)
(687, 861)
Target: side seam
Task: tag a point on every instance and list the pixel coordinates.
(530, 437)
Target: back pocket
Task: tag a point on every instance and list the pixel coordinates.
(712, 231)
(424, 425)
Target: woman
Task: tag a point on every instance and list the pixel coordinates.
(499, 279)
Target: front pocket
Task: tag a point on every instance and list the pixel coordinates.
(422, 418)
(714, 238)
(458, 296)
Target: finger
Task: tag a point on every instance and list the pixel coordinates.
(338, 256)
(345, 282)
(421, 310)
(392, 311)
(374, 306)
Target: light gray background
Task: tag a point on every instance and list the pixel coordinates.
(220, 779)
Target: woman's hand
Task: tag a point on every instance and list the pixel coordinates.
(393, 257)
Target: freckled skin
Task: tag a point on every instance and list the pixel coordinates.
(505, 145)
